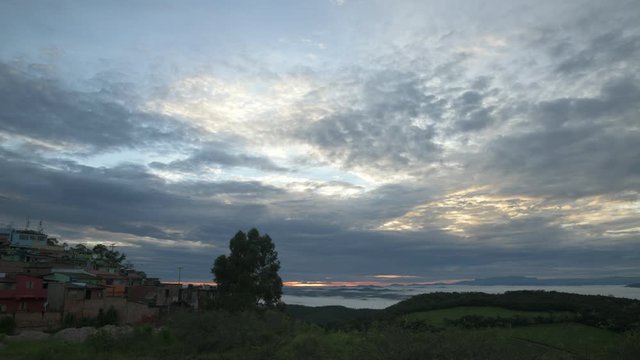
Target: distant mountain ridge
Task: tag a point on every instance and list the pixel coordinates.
(526, 281)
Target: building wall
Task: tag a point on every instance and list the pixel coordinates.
(142, 294)
(11, 306)
(37, 320)
(115, 291)
(8, 266)
(28, 295)
(128, 312)
(55, 297)
(20, 239)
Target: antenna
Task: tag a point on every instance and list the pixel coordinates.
(40, 228)
(26, 226)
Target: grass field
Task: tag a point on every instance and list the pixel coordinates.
(571, 337)
(273, 335)
(440, 317)
(558, 338)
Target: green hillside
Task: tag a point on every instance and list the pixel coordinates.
(519, 325)
(443, 317)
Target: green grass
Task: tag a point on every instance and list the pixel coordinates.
(46, 349)
(558, 338)
(575, 338)
(271, 335)
(440, 317)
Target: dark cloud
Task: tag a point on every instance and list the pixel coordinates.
(380, 131)
(217, 155)
(575, 146)
(470, 113)
(617, 97)
(605, 50)
(124, 199)
(245, 189)
(40, 107)
(434, 257)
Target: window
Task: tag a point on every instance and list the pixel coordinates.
(29, 284)
(22, 306)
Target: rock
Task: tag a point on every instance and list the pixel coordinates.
(125, 330)
(117, 331)
(28, 335)
(75, 335)
(109, 329)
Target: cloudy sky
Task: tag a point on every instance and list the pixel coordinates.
(420, 140)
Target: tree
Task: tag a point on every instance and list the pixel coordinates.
(108, 257)
(248, 276)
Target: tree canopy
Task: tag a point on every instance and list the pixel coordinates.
(108, 257)
(248, 276)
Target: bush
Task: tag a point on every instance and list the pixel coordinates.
(101, 341)
(109, 317)
(223, 332)
(629, 347)
(7, 325)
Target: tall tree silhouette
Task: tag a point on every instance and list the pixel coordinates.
(248, 276)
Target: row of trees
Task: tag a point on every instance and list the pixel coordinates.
(101, 254)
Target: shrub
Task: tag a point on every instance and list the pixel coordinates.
(7, 325)
(101, 341)
(109, 317)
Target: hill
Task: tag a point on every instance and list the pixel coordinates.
(606, 312)
(533, 281)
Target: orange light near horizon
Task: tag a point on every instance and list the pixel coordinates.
(194, 283)
(304, 284)
(333, 283)
(366, 283)
(340, 283)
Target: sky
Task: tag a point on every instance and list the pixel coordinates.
(388, 141)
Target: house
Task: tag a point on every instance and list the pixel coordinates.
(197, 297)
(22, 293)
(115, 285)
(24, 238)
(78, 277)
(134, 278)
(69, 297)
(162, 295)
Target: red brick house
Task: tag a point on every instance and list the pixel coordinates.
(22, 293)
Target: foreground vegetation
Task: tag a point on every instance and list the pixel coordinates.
(418, 328)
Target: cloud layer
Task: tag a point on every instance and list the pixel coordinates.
(491, 140)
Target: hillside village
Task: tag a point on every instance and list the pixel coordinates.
(47, 284)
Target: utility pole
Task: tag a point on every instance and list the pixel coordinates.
(179, 284)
